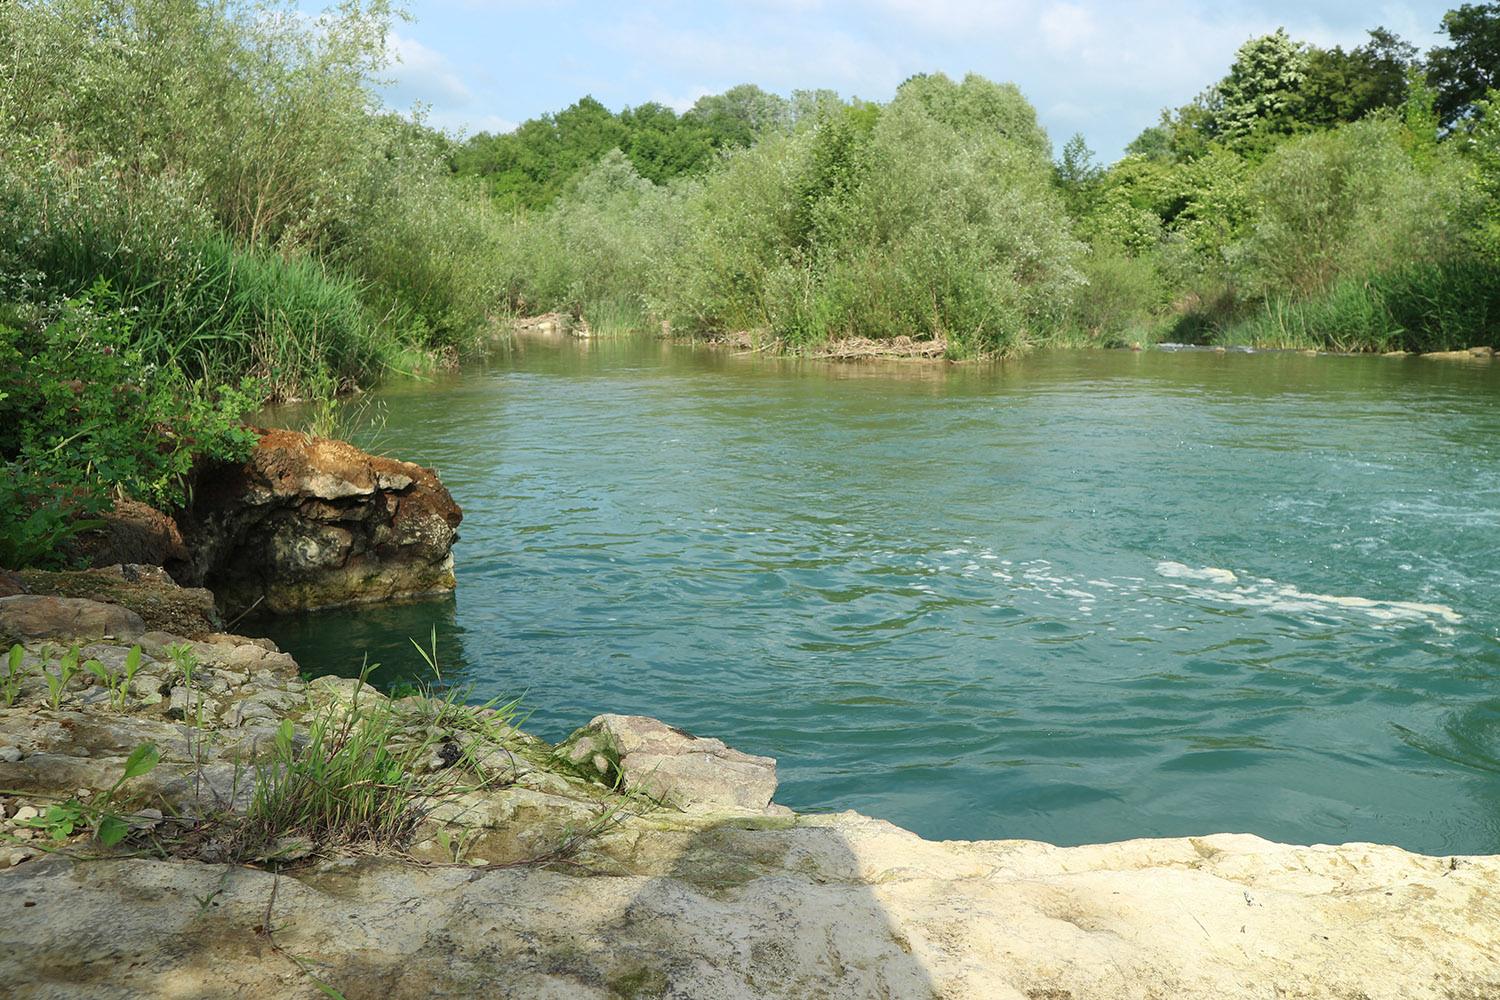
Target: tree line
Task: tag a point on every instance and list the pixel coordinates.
(1311, 197)
(204, 206)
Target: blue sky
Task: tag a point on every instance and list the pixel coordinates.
(1103, 69)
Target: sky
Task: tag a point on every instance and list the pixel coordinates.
(1105, 69)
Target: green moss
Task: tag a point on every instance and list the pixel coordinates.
(640, 983)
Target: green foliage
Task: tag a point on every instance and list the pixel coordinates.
(220, 164)
(1480, 145)
(1259, 96)
(117, 682)
(1340, 87)
(359, 775)
(534, 165)
(57, 681)
(1468, 67)
(16, 674)
(936, 218)
(98, 815)
(1443, 306)
(1344, 202)
(1119, 299)
(88, 413)
(595, 254)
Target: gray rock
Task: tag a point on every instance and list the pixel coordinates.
(690, 772)
(248, 711)
(32, 617)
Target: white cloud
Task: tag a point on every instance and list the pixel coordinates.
(680, 104)
(1067, 26)
(423, 74)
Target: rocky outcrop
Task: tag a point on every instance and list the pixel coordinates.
(135, 533)
(500, 892)
(146, 591)
(312, 523)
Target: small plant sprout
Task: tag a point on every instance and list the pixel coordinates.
(58, 682)
(117, 682)
(453, 847)
(63, 818)
(185, 662)
(10, 684)
(132, 664)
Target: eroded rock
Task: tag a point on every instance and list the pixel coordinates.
(314, 523)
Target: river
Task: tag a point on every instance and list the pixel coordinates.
(1080, 597)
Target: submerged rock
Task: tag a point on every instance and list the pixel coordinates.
(312, 523)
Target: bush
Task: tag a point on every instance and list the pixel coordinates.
(936, 218)
(1448, 305)
(84, 415)
(1343, 203)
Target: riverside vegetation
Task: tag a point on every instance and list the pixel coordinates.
(203, 206)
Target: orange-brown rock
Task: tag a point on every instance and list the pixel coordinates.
(311, 523)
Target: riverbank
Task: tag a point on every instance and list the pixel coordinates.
(554, 326)
(544, 871)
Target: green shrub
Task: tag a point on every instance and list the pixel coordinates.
(1344, 203)
(1447, 305)
(84, 414)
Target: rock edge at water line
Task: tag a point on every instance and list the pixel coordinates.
(728, 902)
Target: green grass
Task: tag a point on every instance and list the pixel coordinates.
(1440, 306)
(362, 769)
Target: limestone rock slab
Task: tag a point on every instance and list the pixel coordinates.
(690, 772)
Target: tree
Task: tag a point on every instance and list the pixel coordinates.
(1259, 97)
(741, 115)
(978, 107)
(1345, 86)
(1469, 66)
(1154, 143)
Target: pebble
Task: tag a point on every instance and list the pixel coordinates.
(10, 754)
(15, 855)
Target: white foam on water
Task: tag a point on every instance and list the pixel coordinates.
(1289, 599)
(1178, 571)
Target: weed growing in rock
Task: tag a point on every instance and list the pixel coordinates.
(62, 819)
(117, 682)
(185, 662)
(15, 675)
(57, 683)
(360, 773)
(444, 706)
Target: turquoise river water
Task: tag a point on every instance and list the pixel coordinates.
(1085, 596)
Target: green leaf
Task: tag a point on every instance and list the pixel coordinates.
(284, 738)
(112, 829)
(142, 760)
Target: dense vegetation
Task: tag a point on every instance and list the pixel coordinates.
(1347, 200)
(193, 195)
(203, 205)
